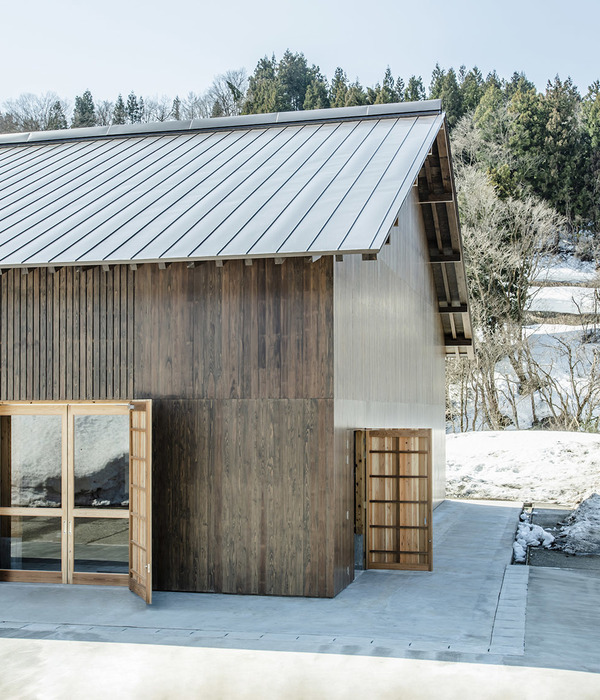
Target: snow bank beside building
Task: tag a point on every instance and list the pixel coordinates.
(580, 533)
(526, 465)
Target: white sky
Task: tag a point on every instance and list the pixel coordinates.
(153, 48)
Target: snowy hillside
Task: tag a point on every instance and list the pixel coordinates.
(526, 465)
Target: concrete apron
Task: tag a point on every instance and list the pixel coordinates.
(470, 603)
(471, 608)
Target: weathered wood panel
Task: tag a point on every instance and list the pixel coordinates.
(249, 509)
(237, 331)
(64, 335)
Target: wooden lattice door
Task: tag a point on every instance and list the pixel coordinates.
(140, 499)
(398, 493)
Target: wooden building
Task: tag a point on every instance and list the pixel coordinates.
(251, 291)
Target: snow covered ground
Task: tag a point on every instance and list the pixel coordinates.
(565, 300)
(525, 465)
(567, 268)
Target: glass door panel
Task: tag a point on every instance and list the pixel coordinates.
(101, 545)
(101, 461)
(31, 461)
(30, 543)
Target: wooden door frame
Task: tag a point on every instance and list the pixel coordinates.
(67, 511)
(363, 508)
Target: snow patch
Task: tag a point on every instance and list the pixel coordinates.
(580, 533)
(529, 535)
(564, 300)
(523, 465)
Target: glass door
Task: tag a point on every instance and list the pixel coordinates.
(64, 493)
(98, 494)
(33, 493)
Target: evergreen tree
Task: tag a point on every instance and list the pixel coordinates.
(264, 91)
(492, 79)
(356, 95)
(119, 115)
(84, 113)
(294, 77)
(437, 82)
(133, 109)
(176, 109)
(561, 178)
(317, 94)
(386, 93)
(471, 89)
(451, 98)
(399, 96)
(591, 114)
(372, 92)
(415, 90)
(56, 117)
(339, 89)
(517, 82)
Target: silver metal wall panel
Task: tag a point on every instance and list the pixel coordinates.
(305, 187)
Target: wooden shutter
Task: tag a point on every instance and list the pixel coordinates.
(399, 499)
(140, 499)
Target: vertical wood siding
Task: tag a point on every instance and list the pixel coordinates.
(66, 335)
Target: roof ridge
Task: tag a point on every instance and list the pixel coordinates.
(390, 110)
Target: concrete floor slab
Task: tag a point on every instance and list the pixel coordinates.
(473, 609)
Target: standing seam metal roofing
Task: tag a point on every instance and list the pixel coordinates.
(308, 183)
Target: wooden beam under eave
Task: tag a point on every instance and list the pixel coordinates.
(279, 261)
(447, 258)
(248, 262)
(219, 263)
(433, 198)
(163, 265)
(458, 342)
(460, 309)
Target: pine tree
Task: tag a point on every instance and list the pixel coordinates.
(591, 114)
(119, 115)
(518, 81)
(176, 109)
(415, 90)
(451, 98)
(437, 82)
(132, 109)
(264, 90)
(561, 178)
(317, 94)
(339, 89)
(294, 77)
(386, 93)
(84, 113)
(56, 117)
(356, 95)
(399, 90)
(471, 89)
(372, 92)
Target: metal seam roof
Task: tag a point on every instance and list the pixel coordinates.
(308, 183)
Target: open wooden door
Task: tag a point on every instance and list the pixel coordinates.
(398, 495)
(140, 499)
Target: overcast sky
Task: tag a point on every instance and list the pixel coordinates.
(155, 47)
